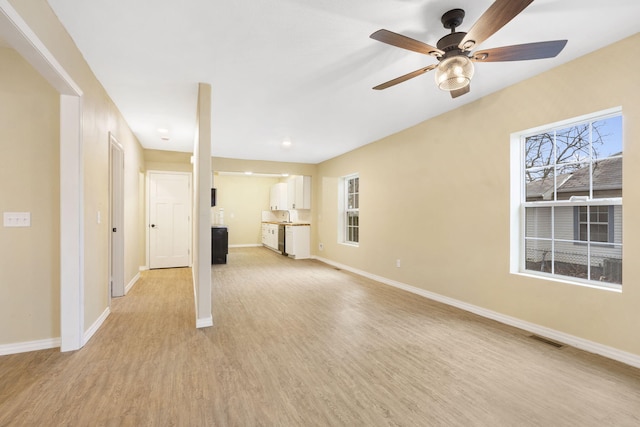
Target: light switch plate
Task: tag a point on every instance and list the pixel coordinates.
(17, 219)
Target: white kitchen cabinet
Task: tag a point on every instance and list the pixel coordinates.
(298, 241)
(265, 233)
(270, 235)
(299, 192)
(273, 236)
(278, 197)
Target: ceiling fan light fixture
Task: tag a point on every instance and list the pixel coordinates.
(454, 73)
(455, 68)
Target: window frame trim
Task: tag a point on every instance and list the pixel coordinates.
(343, 197)
(518, 205)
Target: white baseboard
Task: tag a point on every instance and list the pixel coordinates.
(577, 342)
(246, 245)
(204, 323)
(143, 268)
(96, 325)
(131, 283)
(23, 347)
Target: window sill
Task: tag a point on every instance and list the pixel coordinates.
(354, 245)
(612, 287)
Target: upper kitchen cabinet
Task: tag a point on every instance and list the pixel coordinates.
(299, 192)
(278, 199)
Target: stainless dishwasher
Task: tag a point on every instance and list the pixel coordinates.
(281, 239)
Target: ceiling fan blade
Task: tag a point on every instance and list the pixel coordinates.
(404, 78)
(520, 52)
(494, 18)
(398, 40)
(459, 92)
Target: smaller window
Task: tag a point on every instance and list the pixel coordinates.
(351, 209)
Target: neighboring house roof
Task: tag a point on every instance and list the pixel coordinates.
(543, 188)
(607, 176)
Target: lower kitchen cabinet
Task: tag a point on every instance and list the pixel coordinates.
(298, 241)
(270, 235)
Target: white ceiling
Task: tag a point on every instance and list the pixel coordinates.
(302, 70)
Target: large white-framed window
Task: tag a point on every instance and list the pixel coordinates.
(566, 200)
(350, 209)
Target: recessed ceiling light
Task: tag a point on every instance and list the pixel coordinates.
(286, 143)
(163, 130)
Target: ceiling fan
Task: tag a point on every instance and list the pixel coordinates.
(455, 68)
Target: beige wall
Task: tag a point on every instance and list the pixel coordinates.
(436, 196)
(223, 164)
(29, 182)
(243, 198)
(99, 117)
(173, 161)
(134, 208)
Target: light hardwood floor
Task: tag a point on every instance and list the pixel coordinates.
(299, 343)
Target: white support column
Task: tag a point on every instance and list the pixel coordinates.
(71, 225)
(202, 214)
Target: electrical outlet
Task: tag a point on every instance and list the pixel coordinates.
(398, 263)
(321, 246)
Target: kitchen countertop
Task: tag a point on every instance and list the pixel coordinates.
(286, 223)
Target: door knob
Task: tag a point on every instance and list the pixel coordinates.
(153, 226)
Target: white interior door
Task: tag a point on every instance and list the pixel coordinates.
(169, 219)
(116, 187)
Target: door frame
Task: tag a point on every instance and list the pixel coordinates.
(148, 213)
(116, 219)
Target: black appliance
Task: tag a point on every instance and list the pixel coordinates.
(219, 244)
(213, 197)
(281, 239)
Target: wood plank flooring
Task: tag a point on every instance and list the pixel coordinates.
(300, 343)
